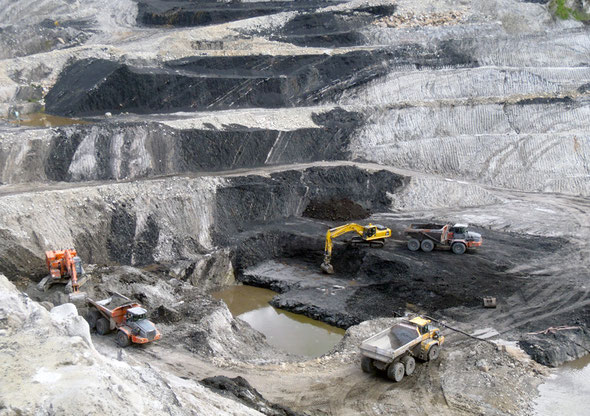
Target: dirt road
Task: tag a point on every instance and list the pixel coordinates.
(335, 384)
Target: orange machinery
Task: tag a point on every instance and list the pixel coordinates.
(64, 267)
(120, 313)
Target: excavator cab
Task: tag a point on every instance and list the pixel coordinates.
(78, 265)
(370, 232)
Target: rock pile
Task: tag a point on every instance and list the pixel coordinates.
(414, 20)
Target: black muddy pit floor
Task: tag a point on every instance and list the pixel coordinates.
(371, 283)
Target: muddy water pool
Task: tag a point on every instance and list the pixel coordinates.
(567, 391)
(290, 332)
(47, 120)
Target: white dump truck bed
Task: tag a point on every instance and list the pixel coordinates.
(391, 343)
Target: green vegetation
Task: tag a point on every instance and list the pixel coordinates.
(563, 12)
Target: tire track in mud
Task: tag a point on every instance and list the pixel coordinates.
(540, 298)
(543, 305)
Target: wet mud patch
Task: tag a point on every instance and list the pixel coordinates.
(47, 120)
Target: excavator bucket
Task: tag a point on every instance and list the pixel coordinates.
(78, 298)
(74, 295)
(327, 268)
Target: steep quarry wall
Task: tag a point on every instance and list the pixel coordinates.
(128, 223)
(522, 129)
(128, 150)
(236, 130)
(169, 219)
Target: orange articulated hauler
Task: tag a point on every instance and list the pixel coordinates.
(124, 315)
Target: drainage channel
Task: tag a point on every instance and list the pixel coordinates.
(290, 332)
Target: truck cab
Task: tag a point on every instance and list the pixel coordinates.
(142, 330)
(427, 330)
(461, 233)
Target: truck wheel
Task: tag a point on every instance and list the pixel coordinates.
(427, 245)
(433, 353)
(396, 371)
(409, 364)
(413, 244)
(367, 365)
(123, 339)
(102, 326)
(91, 317)
(458, 248)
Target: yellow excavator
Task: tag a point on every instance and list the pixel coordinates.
(369, 235)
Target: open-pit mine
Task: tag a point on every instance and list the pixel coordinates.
(195, 154)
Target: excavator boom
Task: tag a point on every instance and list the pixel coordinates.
(366, 234)
(71, 268)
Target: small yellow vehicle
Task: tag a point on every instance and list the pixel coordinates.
(395, 349)
(368, 235)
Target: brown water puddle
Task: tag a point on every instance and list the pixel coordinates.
(290, 332)
(47, 120)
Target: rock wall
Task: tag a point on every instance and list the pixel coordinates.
(116, 151)
(162, 220)
(126, 223)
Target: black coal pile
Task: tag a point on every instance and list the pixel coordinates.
(204, 13)
(335, 210)
(239, 389)
(94, 86)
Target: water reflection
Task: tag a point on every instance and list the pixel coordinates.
(567, 391)
(288, 331)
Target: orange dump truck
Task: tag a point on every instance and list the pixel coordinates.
(124, 315)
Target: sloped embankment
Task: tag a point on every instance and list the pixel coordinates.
(172, 145)
(44, 353)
